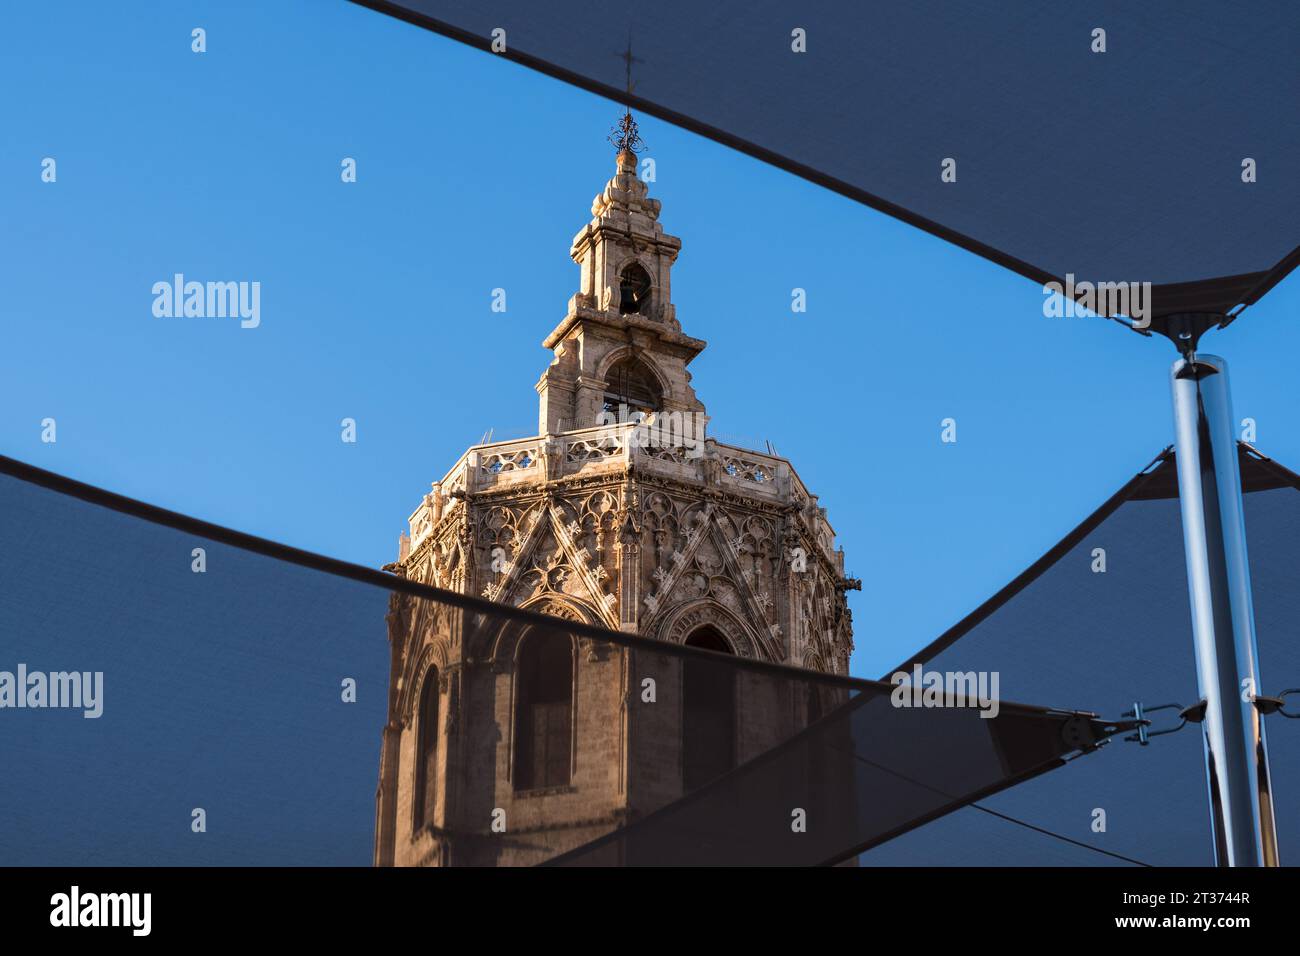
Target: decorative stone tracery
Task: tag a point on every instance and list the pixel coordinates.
(691, 616)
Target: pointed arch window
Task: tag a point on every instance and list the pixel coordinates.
(426, 754)
(544, 711)
(634, 290)
(630, 388)
(708, 712)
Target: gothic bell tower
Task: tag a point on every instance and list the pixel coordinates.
(620, 513)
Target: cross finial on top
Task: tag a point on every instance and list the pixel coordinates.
(625, 136)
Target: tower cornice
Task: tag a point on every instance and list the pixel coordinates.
(583, 315)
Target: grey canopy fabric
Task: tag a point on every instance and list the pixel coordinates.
(221, 693)
(1122, 164)
(1069, 632)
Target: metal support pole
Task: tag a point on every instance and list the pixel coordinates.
(1223, 618)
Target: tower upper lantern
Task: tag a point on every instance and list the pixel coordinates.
(622, 323)
(625, 255)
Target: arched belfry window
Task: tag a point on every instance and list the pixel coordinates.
(634, 289)
(426, 752)
(708, 712)
(544, 711)
(630, 387)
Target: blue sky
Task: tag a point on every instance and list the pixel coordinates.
(474, 173)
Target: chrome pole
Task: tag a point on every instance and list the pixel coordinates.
(1223, 617)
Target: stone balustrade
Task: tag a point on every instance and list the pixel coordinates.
(615, 448)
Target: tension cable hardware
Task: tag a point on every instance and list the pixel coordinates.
(1274, 705)
(1196, 714)
(1187, 715)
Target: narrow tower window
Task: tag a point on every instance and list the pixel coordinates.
(708, 712)
(544, 708)
(426, 758)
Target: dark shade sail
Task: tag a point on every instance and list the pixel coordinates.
(858, 777)
(1117, 166)
(1066, 632)
(221, 729)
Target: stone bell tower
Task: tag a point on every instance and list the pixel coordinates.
(620, 513)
